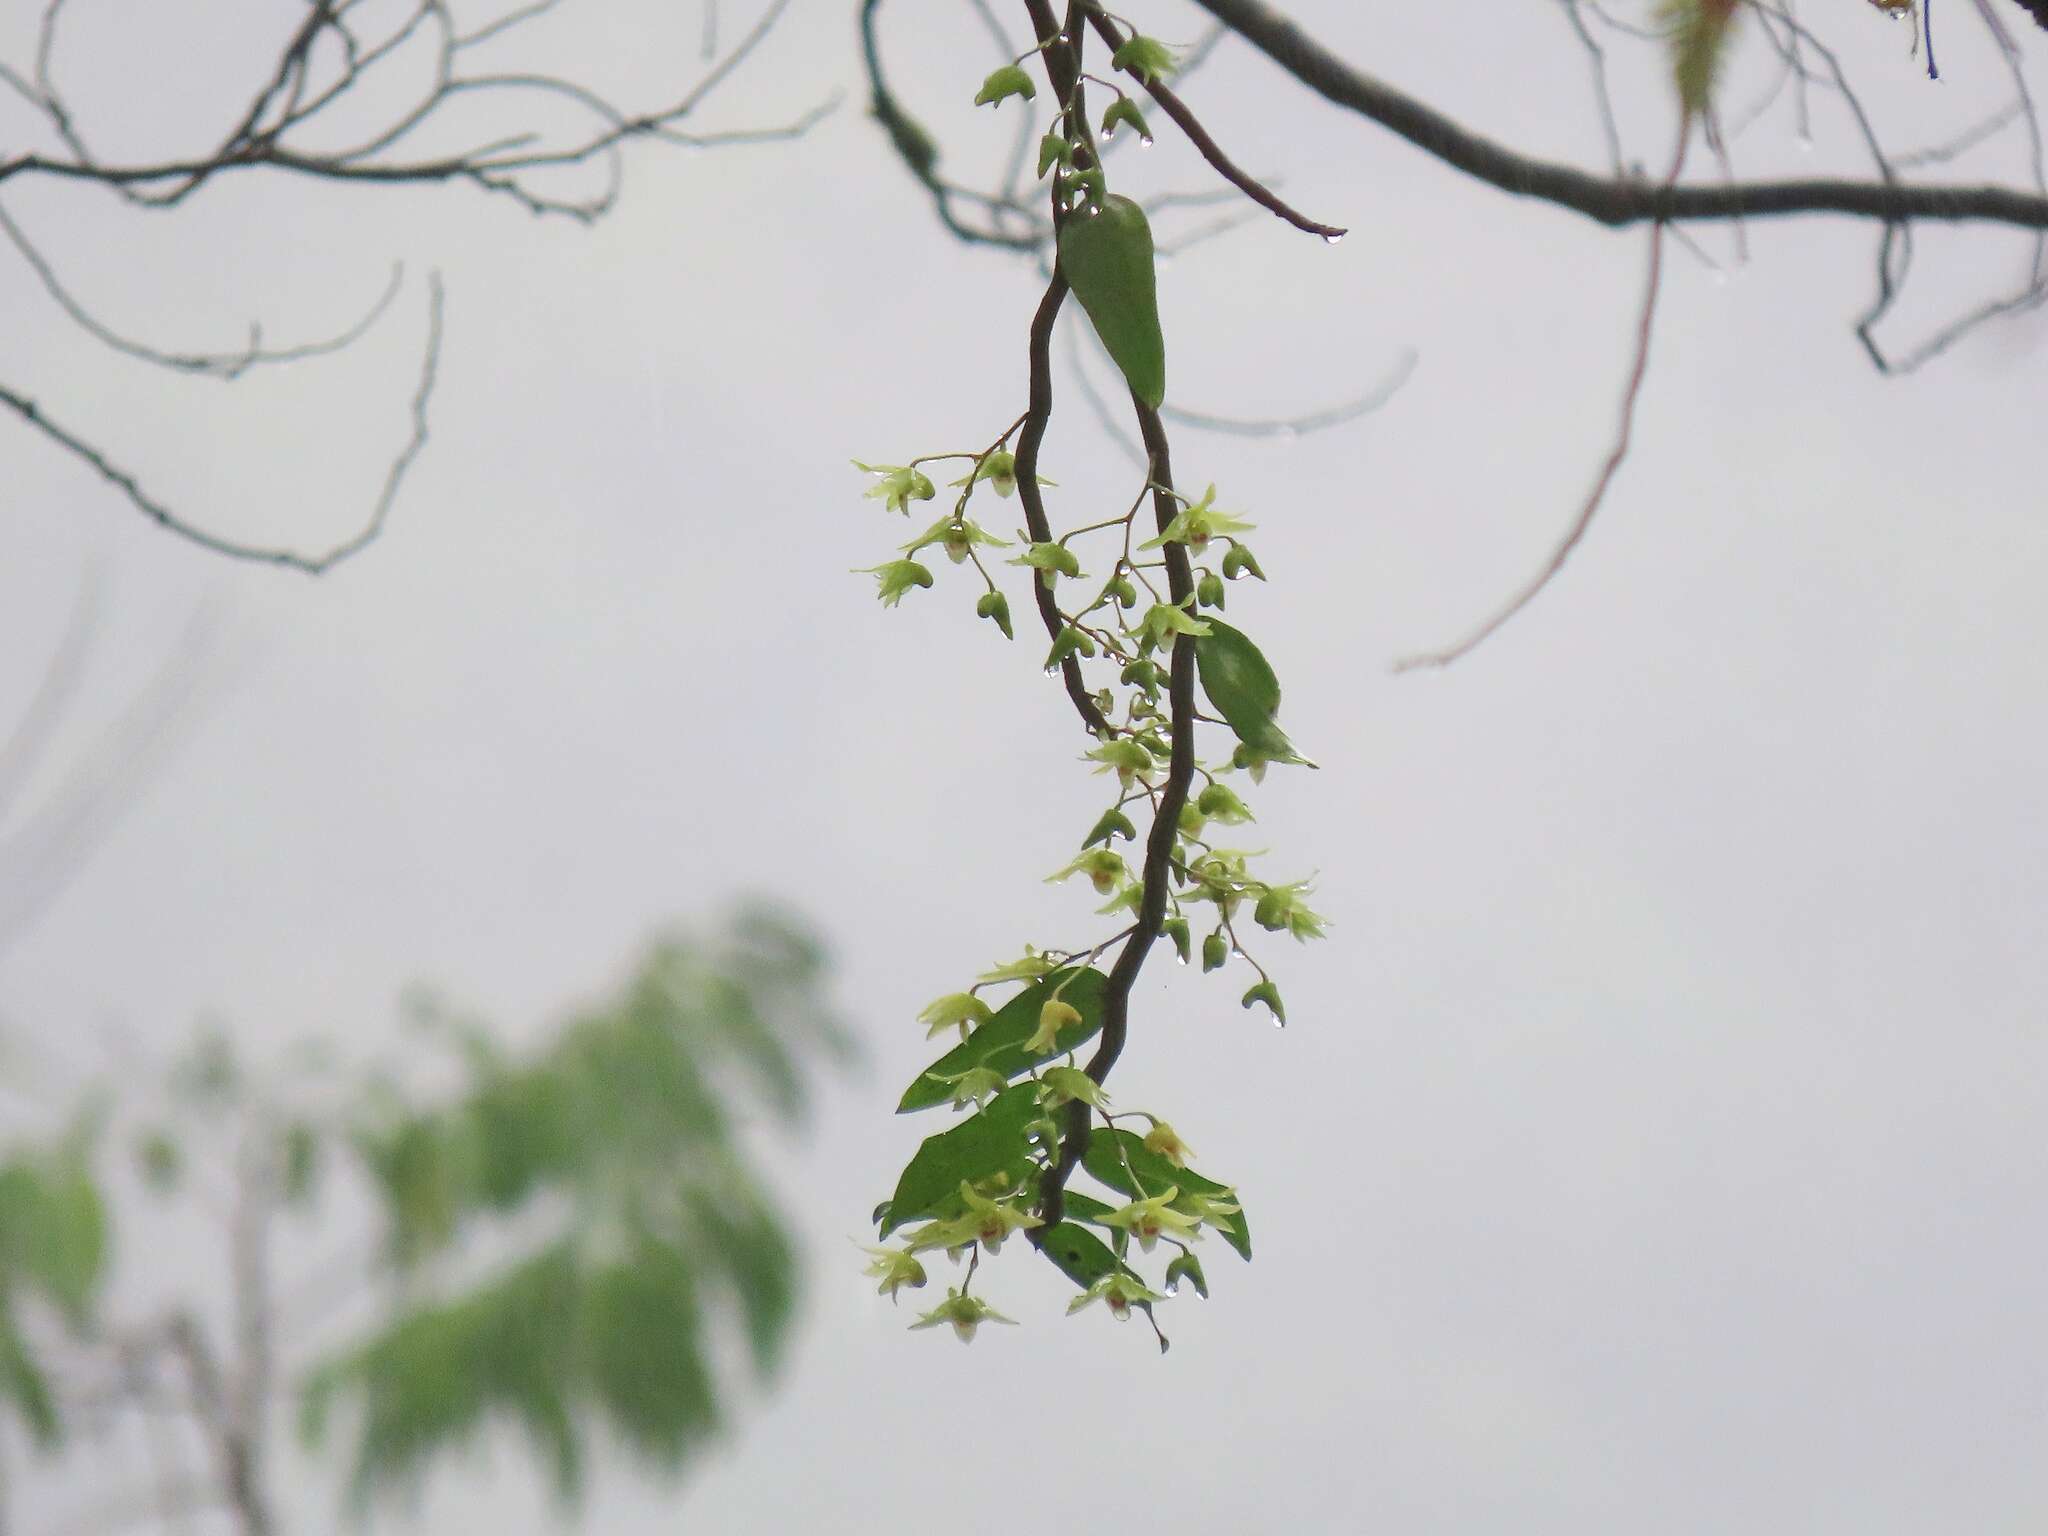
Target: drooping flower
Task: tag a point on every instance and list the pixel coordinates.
(1198, 523)
(1146, 57)
(1119, 1292)
(895, 1269)
(1053, 1017)
(994, 1220)
(958, 535)
(899, 486)
(1166, 1142)
(1211, 1210)
(1028, 967)
(896, 578)
(1004, 83)
(1103, 869)
(1154, 1218)
(1051, 561)
(1063, 1085)
(1164, 619)
(956, 1009)
(965, 1313)
(974, 1086)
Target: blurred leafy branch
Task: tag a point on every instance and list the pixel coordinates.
(553, 1239)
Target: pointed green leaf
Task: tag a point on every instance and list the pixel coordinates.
(1078, 1253)
(982, 1146)
(1107, 257)
(1241, 685)
(998, 1043)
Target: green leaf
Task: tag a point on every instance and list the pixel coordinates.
(53, 1231)
(1241, 684)
(980, 1147)
(1155, 1173)
(1078, 1253)
(998, 1044)
(1107, 257)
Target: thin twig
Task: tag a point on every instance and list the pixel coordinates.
(1638, 370)
(164, 517)
(1209, 149)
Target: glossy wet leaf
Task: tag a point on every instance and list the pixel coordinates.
(987, 1143)
(998, 1043)
(1240, 683)
(1107, 256)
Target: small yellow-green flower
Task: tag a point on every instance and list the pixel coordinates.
(896, 578)
(999, 469)
(1063, 1085)
(1123, 757)
(899, 486)
(1029, 967)
(993, 1220)
(1053, 1017)
(1105, 870)
(895, 1269)
(1117, 1291)
(958, 535)
(956, 1009)
(973, 1086)
(1150, 1220)
(1163, 619)
(1051, 561)
(1165, 1140)
(1198, 523)
(1146, 57)
(965, 1313)
(1211, 1210)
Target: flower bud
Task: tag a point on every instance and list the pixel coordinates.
(994, 605)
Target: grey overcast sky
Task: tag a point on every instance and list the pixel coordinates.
(1657, 1144)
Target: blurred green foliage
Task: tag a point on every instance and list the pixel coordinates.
(565, 1233)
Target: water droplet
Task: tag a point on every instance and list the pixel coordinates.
(1236, 953)
(1336, 239)
(1173, 1287)
(1286, 432)
(1052, 671)
(1180, 959)
(1279, 1023)
(1144, 142)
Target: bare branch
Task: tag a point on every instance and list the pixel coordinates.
(1638, 369)
(1615, 201)
(219, 365)
(164, 517)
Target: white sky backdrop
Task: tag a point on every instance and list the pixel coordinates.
(1658, 1142)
